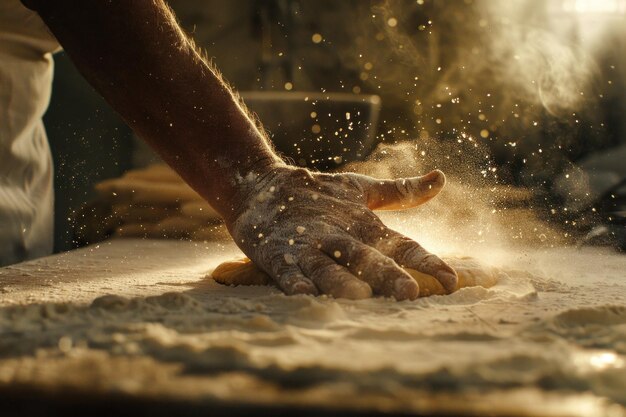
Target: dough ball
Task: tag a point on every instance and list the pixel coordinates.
(240, 272)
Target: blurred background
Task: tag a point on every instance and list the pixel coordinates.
(525, 93)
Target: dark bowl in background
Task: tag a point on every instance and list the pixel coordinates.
(318, 130)
(314, 130)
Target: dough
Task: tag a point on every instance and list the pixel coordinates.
(240, 272)
(471, 274)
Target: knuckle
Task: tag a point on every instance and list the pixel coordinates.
(356, 182)
(430, 262)
(407, 250)
(278, 261)
(360, 253)
(391, 268)
(369, 227)
(327, 269)
(314, 263)
(289, 279)
(403, 188)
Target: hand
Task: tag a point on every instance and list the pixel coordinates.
(316, 233)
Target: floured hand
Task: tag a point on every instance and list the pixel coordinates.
(316, 233)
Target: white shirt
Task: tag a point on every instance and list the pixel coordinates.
(26, 193)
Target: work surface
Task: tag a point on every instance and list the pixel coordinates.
(137, 325)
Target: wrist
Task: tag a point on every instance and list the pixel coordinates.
(248, 180)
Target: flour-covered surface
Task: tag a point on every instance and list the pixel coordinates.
(141, 318)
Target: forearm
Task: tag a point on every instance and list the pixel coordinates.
(134, 53)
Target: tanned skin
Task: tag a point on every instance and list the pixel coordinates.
(313, 233)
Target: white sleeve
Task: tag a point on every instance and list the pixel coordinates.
(26, 193)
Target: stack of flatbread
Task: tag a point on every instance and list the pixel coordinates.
(152, 202)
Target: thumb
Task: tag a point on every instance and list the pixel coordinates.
(401, 193)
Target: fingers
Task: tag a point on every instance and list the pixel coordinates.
(401, 193)
(380, 272)
(331, 278)
(289, 277)
(409, 254)
(293, 282)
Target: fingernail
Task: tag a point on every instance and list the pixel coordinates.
(435, 176)
(448, 279)
(355, 290)
(303, 287)
(406, 289)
